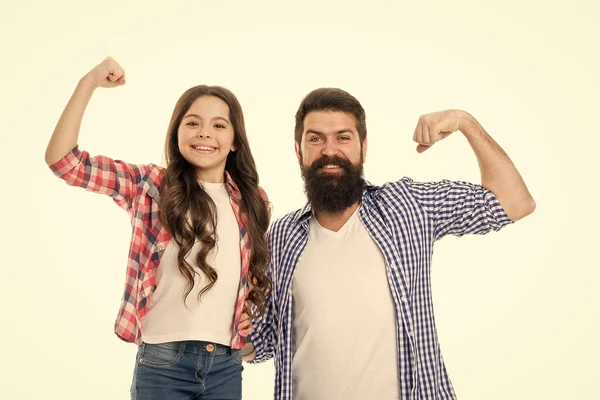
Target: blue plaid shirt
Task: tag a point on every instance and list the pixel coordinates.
(404, 218)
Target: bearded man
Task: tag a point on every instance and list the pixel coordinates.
(351, 315)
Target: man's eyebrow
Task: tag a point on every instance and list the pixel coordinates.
(336, 133)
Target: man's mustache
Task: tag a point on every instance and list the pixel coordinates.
(327, 160)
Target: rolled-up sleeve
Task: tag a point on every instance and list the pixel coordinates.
(100, 174)
(459, 208)
(262, 337)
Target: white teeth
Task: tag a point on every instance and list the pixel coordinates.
(330, 166)
(205, 148)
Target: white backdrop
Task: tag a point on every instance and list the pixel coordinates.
(517, 311)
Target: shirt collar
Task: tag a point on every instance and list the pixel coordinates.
(232, 188)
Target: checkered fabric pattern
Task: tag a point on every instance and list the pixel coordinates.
(135, 188)
(404, 218)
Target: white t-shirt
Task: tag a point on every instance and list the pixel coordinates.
(211, 319)
(344, 324)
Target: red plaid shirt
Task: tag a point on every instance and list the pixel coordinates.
(136, 189)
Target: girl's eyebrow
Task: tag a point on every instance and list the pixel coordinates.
(199, 117)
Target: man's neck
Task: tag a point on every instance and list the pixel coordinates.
(335, 221)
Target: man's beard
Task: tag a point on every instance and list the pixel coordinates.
(333, 191)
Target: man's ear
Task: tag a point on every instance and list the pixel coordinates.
(298, 152)
(364, 149)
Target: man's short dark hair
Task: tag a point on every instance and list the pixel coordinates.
(331, 99)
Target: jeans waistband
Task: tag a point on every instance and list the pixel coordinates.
(194, 347)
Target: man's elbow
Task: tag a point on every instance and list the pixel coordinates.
(522, 209)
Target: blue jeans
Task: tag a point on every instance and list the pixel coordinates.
(187, 370)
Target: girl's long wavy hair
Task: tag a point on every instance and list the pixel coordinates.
(189, 214)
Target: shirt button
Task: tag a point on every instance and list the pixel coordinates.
(160, 248)
(150, 271)
(403, 298)
(143, 295)
(410, 333)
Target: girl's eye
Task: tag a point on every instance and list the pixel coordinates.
(220, 126)
(192, 123)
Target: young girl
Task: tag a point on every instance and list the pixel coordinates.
(198, 258)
